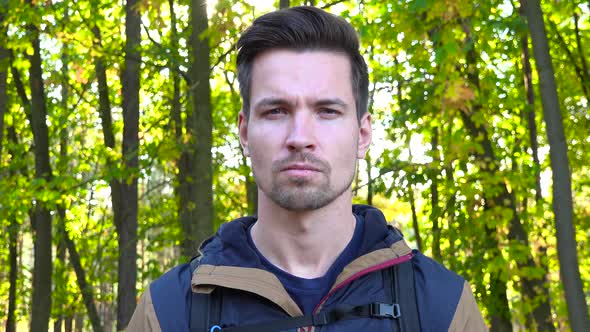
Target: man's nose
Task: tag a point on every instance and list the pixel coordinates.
(301, 132)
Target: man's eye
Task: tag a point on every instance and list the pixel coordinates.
(329, 112)
(275, 112)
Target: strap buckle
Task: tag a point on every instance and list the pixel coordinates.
(385, 310)
(319, 319)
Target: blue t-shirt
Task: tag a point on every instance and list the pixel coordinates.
(307, 293)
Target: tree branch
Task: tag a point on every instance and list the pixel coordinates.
(328, 5)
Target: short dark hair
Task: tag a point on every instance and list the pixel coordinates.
(302, 28)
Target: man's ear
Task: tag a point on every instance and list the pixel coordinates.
(365, 135)
(243, 132)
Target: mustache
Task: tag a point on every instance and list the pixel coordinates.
(301, 157)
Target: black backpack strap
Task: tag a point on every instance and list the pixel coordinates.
(205, 310)
(403, 292)
(390, 288)
(373, 310)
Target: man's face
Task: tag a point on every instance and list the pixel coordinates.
(303, 136)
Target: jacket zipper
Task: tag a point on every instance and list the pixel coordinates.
(384, 265)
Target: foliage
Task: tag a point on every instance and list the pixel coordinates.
(433, 64)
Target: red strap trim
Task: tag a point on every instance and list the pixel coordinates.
(384, 265)
(361, 273)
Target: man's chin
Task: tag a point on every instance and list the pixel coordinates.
(301, 199)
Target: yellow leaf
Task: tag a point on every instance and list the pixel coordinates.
(458, 95)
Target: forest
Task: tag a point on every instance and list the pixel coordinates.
(119, 150)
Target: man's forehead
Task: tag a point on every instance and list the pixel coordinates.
(320, 74)
(313, 55)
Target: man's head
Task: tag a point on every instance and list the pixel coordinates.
(301, 124)
(302, 29)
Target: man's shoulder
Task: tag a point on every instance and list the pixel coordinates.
(438, 291)
(434, 271)
(175, 276)
(164, 305)
(170, 295)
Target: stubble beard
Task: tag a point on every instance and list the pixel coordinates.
(300, 194)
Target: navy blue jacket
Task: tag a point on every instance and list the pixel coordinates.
(251, 294)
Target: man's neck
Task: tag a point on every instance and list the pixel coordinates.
(306, 243)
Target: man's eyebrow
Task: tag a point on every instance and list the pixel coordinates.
(271, 101)
(331, 101)
(274, 101)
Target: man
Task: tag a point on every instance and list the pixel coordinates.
(309, 260)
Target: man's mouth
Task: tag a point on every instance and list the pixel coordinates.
(300, 167)
(300, 170)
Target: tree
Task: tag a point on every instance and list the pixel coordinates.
(541, 312)
(200, 223)
(562, 192)
(447, 76)
(127, 228)
(41, 302)
(12, 227)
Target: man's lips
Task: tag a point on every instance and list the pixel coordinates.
(300, 170)
(300, 167)
(301, 164)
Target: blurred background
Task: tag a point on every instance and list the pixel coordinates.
(119, 151)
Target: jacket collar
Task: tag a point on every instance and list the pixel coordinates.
(227, 260)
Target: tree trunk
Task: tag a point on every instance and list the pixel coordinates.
(369, 180)
(104, 108)
(251, 188)
(61, 258)
(531, 122)
(585, 72)
(68, 324)
(79, 322)
(4, 64)
(197, 218)
(184, 188)
(186, 207)
(414, 217)
(106, 309)
(13, 275)
(434, 201)
(127, 228)
(42, 266)
(284, 4)
(62, 169)
(85, 287)
(450, 207)
(415, 225)
(542, 312)
(499, 318)
(65, 241)
(176, 109)
(250, 184)
(13, 225)
(562, 187)
(13, 245)
(499, 311)
(108, 134)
